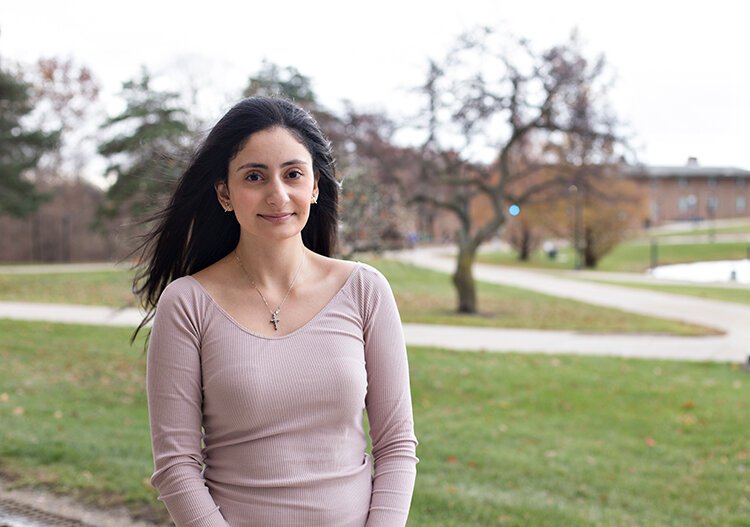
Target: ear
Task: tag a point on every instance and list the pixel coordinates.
(222, 194)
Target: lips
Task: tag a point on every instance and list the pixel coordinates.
(277, 217)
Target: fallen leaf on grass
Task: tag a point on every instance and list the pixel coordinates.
(688, 405)
(688, 419)
(19, 410)
(4, 397)
(451, 459)
(650, 441)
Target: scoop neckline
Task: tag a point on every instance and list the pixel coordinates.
(242, 328)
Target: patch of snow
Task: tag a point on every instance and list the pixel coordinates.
(737, 271)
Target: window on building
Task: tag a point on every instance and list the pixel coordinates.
(712, 182)
(685, 203)
(654, 211)
(740, 204)
(741, 182)
(712, 205)
(682, 181)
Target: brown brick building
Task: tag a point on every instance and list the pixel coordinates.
(693, 192)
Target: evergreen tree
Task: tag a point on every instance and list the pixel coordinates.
(151, 138)
(20, 148)
(274, 81)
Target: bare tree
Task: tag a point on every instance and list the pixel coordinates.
(65, 96)
(374, 213)
(492, 108)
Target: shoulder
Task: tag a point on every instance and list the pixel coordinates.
(181, 289)
(371, 277)
(335, 266)
(371, 289)
(183, 299)
(331, 274)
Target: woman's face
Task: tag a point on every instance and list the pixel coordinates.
(270, 185)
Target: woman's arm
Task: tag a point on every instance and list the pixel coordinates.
(389, 407)
(174, 402)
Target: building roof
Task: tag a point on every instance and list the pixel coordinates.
(690, 170)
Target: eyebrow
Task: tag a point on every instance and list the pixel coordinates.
(261, 165)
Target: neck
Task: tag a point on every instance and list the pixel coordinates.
(274, 265)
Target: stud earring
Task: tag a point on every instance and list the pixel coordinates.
(314, 198)
(227, 207)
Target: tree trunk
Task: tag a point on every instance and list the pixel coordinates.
(590, 258)
(524, 247)
(463, 279)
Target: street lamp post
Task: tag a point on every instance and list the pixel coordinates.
(573, 190)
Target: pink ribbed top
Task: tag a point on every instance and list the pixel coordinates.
(278, 421)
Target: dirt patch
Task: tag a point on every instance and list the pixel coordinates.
(53, 510)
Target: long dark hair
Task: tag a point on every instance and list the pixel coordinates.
(193, 231)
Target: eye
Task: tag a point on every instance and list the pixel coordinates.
(254, 176)
(295, 174)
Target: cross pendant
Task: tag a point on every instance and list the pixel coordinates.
(275, 320)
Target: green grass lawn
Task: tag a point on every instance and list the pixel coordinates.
(630, 257)
(109, 288)
(423, 296)
(704, 229)
(538, 259)
(636, 257)
(428, 297)
(505, 439)
(725, 294)
(73, 412)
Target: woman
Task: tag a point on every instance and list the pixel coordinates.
(265, 351)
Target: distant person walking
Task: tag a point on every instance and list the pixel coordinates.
(265, 351)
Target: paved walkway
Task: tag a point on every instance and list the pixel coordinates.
(733, 319)
(641, 278)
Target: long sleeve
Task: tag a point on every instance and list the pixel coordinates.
(175, 410)
(389, 408)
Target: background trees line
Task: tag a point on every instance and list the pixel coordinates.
(500, 124)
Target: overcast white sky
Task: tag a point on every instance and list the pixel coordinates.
(683, 81)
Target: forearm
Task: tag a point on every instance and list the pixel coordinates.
(392, 488)
(389, 412)
(174, 387)
(183, 491)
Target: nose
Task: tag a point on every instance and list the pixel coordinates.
(277, 193)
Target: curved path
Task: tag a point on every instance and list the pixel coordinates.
(732, 319)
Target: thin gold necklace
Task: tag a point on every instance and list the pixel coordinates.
(274, 312)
